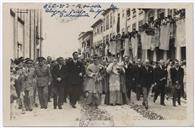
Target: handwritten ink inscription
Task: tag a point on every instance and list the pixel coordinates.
(74, 11)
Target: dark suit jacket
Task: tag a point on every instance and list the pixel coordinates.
(177, 75)
(74, 70)
(57, 72)
(130, 75)
(146, 77)
(138, 71)
(159, 74)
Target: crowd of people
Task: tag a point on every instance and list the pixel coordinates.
(96, 79)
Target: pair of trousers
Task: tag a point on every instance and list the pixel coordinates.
(160, 91)
(74, 94)
(49, 93)
(145, 91)
(58, 95)
(28, 99)
(43, 96)
(138, 91)
(130, 86)
(176, 96)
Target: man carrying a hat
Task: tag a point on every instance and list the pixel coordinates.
(43, 75)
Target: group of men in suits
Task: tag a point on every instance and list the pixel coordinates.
(67, 80)
(47, 78)
(62, 79)
(143, 77)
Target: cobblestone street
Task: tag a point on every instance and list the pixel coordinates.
(105, 115)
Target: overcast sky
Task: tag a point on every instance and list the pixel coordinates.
(61, 38)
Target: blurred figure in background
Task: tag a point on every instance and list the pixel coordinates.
(48, 62)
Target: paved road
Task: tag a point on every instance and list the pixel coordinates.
(118, 115)
(168, 111)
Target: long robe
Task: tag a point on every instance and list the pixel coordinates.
(115, 91)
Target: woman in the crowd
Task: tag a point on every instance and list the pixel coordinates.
(115, 92)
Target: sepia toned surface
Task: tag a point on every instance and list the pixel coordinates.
(64, 32)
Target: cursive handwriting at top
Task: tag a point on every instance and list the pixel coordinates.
(74, 10)
(67, 13)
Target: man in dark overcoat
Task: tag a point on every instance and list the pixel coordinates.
(76, 71)
(146, 82)
(59, 74)
(160, 80)
(177, 75)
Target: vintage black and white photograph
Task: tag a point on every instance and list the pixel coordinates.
(98, 64)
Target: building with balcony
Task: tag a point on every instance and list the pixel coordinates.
(117, 21)
(86, 43)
